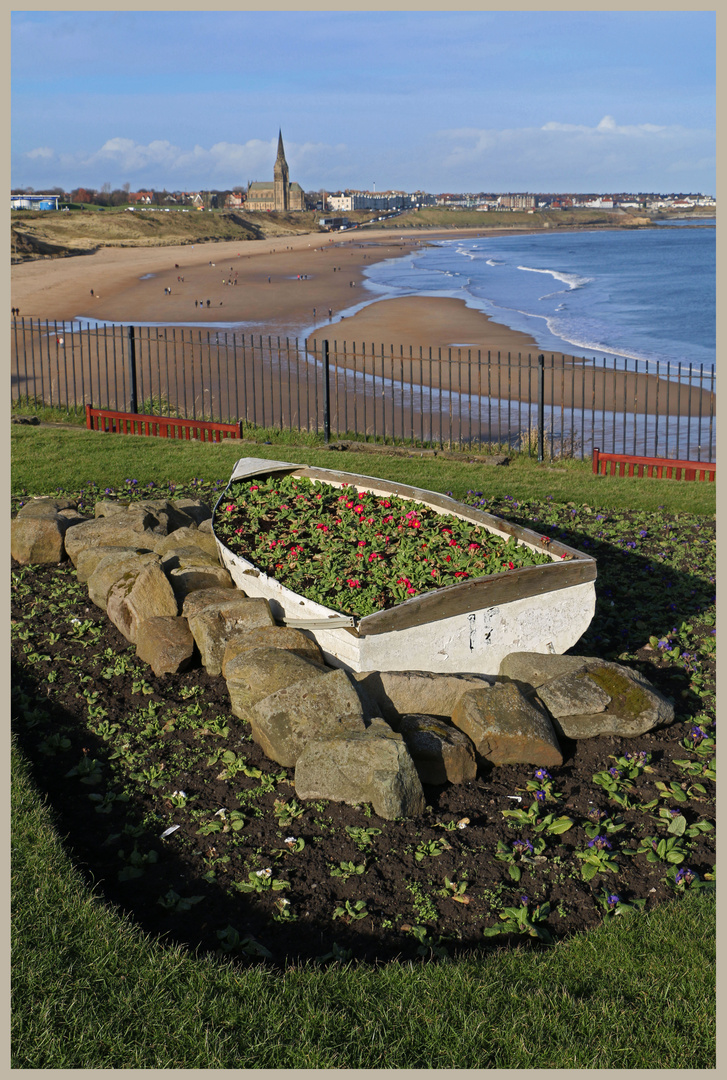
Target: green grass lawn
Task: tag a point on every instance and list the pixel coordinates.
(90, 991)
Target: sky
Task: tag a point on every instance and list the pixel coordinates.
(495, 101)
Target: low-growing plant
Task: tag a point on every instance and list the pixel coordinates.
(260, 881)
(346, 870)
(521, 920)
(597, 858)
(612, 904)
(518, 852)
(362, 838)
(351, 912)
(430, 849)
(662, 849)
(531, 817)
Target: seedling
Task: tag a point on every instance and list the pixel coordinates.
(136, 863)
(351, 911)
(172, 901)
(362, 838)
(430, 849)
(346, 870)
(456, 890)
(230, 941)
(287, 812)
(450, 826)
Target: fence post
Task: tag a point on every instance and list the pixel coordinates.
(326, 394)
(541, 405)
(132, 371)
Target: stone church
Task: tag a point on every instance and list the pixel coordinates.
(278, 194)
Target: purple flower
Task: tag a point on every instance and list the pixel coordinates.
(612, 900)
(615, 773)
(697, 735)
(599, 843)
(596, 815)
(522, 846)
(540, 796)
(524, 901)
(685, 876)
(543, 774)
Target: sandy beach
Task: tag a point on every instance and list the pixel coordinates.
(298, 286)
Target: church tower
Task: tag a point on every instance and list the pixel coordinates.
(280, 177)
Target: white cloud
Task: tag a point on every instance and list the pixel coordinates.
(39, 153)
(608, 126)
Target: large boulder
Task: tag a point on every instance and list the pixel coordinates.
(90, 558)
(399, 693)
(441, 752)
(39, 540)
(196, 509)
(213, 626)
(200, 599)
(117, 530)
(272, 637)
(364, 766)
(47, 506)
(165, 643)
(189, 536)
(111, 569)
(137, 597)
(256, 673)
(587, 696)
(506, 728)
(317, 708)
(190, 579)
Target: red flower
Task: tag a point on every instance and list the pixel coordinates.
(353, 583)
(461, 573)
(323, 528)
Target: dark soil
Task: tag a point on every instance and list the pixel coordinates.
(76, 678)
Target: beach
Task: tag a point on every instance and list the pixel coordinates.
(297, 287)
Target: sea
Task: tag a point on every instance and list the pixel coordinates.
(646, 296)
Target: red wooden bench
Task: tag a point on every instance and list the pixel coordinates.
(171, 427)
(671, 468)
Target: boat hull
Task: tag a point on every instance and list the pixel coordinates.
(468, 627)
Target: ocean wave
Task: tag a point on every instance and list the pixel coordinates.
(573, 281)
(495, 262)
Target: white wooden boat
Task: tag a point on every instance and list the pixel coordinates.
(468, 627)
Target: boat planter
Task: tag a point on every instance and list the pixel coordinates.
(467, 627)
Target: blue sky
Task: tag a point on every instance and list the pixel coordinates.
(441, 101)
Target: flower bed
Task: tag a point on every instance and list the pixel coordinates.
(356, 551)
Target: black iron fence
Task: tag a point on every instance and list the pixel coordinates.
(456, 397)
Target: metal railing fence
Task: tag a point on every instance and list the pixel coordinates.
(556, 405)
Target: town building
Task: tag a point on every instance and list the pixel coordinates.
(33, 202)
(279, 193)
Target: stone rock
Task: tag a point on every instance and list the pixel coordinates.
(118, 530)
(45, 506)
(506, 728)
(629, 704)
(165, 643)
(196, 509)
(213, 627)
(189, 536)
(198, 600)
(256, 673)
(89, 558)
(107, 507)
(272, 637)
(318, 708)
(191, 579)
(206, 526)
(138, 597)
(169, 515)
(111, 569)
(441, 752)
(587, 696)
(399, 693)
(184, 555)
(370, 766)
(536, 668)
(38, 540)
